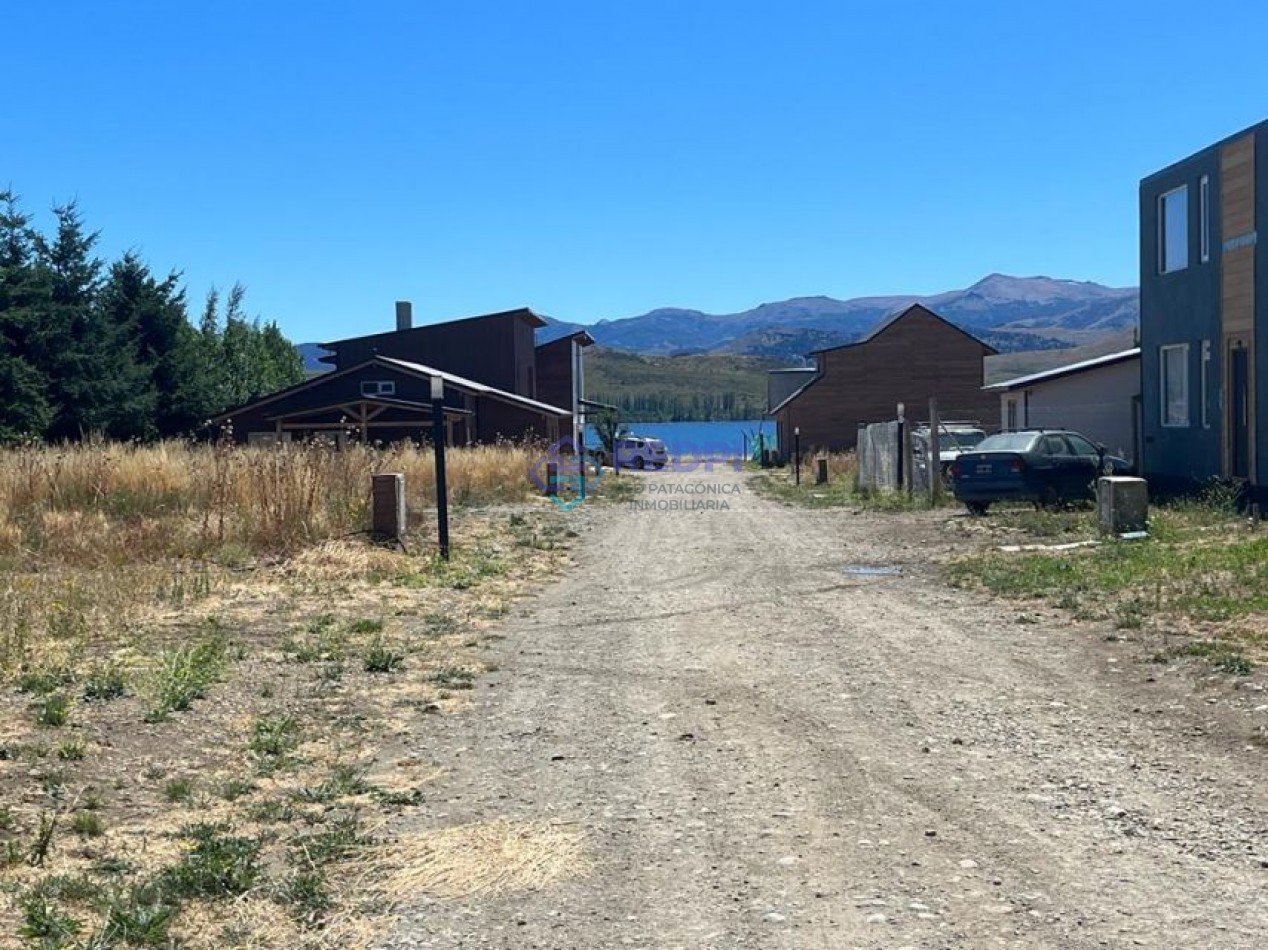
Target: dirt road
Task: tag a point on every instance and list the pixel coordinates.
(761, 749)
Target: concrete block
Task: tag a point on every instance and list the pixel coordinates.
(1122, 504)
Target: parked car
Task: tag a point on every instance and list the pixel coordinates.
(953, 439)
(1041, 466)
(636, 451)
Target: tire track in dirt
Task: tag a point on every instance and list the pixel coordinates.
(766, 752)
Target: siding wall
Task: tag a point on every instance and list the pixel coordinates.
(780, 384)
(1097, 402)
(916, 357)
(1181, 307)
(554, 373)
(496, 350)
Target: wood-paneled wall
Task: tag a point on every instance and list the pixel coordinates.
(917, 356)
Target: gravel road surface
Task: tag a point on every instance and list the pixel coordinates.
(761, 748)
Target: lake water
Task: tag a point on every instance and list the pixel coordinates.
(700, 438)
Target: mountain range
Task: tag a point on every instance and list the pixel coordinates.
(1011, 313)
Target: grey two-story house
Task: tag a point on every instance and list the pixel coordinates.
(1204, 314)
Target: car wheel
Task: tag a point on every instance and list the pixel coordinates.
(1049, 497)
(639, 462)
(977, 507)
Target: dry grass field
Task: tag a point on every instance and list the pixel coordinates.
(211, 685)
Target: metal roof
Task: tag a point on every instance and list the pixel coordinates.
(480, 389)
(1071, 369)
(457, 382)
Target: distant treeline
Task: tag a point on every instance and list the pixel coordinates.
(698, 407)
(694, 387)
(88, 348)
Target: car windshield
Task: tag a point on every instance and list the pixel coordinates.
(953, 441)
(1008, 442)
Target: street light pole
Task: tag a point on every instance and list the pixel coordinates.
(797, 455)
(438, 439)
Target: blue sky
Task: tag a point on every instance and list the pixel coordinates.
(598, 159)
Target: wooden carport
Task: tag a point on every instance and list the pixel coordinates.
(365, 415)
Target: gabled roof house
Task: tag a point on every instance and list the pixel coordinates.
(909, 357)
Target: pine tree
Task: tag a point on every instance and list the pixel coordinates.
(24, 407)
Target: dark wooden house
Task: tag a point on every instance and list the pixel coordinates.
(911, 356)
(388, 400)
(496, 349)
(380, 388)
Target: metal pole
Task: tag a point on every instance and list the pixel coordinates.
(935, 451)
(797, 455)
(438, 438)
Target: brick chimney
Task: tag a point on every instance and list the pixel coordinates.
(404, 315)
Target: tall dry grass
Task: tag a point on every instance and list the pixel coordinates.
(91, 533)
(98, 503)
(843, 467)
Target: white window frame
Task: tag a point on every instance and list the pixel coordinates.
(1162, 230)
(1204, 218)
(1181, 420)
(1010, 415)
(1205, 397)
(378, 387)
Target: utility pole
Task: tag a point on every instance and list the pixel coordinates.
(438, 439)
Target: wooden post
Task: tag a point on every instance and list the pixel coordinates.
(935, 452)
(552, 478)
(438, 442)
(821, 471)
(904, 448)
(387, 506)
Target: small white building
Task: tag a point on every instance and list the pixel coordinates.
(1098, 397)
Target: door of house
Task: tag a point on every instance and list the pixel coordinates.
(1239, 412)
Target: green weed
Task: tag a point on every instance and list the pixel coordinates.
(341, 838)
(105, 683)
(44, 922)
(53, 710)
(140, 916)
(306, 895)
(344, 779)
(217, 866)
(452, 677)
(184, 675)
(273, 739)
(383, 657)
(87, 824)
(43, 843)
(179, 790)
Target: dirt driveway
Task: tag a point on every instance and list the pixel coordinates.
(758, 748)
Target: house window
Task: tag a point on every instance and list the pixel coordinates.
(1012, 415)
(1204, 221)
(1205, 381)
(1173, 230)
(378, 387)
(1174, 380)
